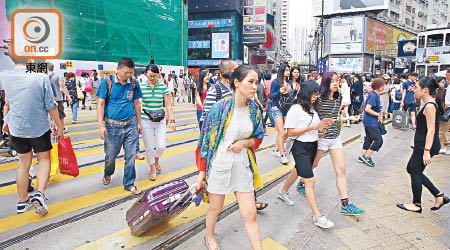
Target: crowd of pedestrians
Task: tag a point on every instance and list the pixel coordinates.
(234, 106)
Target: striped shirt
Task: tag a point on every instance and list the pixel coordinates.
(153, 98)
(211, 97)
(329, 108)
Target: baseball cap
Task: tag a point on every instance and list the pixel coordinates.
(414, 74)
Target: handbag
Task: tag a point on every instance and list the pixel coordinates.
(80, 94)
(446, 116)
(67, 160)
(285, 102)
(382, 128)
(155, 115)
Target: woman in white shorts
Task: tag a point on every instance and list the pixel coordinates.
(328, 106)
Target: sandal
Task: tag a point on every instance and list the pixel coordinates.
(106, 180)
(402, 206)
(134, 190)
(261, 205)
(158, 168)
(152, 175)
(207, 245)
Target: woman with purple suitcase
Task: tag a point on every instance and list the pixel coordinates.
(232, 130)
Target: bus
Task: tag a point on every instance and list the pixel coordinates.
(433, 51)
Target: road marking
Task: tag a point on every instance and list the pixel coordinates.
(95, 123)
(63, 207)
(191, 213)
(269, 243)
(98, 150)
(94, 116)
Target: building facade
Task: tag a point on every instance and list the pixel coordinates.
(214, 32)
(417, 15)
(109, 30)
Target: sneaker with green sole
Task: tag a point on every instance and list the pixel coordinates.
(351, 209)
(301, 189)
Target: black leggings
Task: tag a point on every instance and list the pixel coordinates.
(84, 99)
(415, 169)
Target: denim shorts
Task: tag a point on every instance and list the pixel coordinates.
(277, 113)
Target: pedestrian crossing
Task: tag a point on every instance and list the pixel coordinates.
(177, 162)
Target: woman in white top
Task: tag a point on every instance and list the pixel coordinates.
(171, 86)
(304, 127)
(82, 84)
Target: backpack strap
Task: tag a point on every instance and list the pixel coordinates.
(108, 87)
(218, 92)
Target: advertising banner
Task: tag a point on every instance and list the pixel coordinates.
(219, 23)
(220, 48)
(347, 35)
(347, 6)
(199, 44)
(433, 55)
(254, 21)
(346, 65)
(270, 34)
(385, 37)
(407, 48)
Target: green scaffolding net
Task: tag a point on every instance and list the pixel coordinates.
(107, 30)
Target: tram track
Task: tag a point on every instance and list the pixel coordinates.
(174, 240)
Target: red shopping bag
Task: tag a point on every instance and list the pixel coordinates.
(67, 161)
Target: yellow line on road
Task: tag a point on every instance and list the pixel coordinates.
(95, 123)
(60, 208)
(97, 150)
(96, 130)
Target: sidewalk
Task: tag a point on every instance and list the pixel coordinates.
(376, 190)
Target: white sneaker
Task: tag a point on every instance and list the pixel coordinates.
(284, 159)
(323, 222)
(443, 151)
(40, 203)
(448, 152)
(285, 197)
(276, 153)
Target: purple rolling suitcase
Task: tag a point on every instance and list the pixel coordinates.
(158, 205)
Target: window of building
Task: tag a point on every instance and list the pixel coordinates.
(408, 21)
(447, 39)
(436, 40)
(422, 42)
(445, 67)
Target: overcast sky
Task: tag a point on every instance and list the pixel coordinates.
(300, 13)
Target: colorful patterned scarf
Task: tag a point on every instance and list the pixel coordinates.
(215, 126)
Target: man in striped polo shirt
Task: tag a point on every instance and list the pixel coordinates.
(153, 117)
(223, 86)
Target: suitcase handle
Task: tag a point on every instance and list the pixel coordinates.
(181, 198)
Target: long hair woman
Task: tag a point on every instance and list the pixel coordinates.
(327, 106)
(225, 154)
(305, 127)
(295, 79)
(280, 86)
(357, 94)
(202, 88)
(426, 145)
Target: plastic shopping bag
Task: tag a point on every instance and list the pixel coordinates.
(67, 160)
(54, 170)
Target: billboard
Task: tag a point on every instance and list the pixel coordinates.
(407, 48)
(270, 34)
(220, 45)
(433, 55)
(384, 38)
(347, 35)
(254, 21)
(346, 6)
(199, 44)
(346, 64)
(218, 23)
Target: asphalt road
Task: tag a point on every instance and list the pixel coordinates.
(85, 214)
